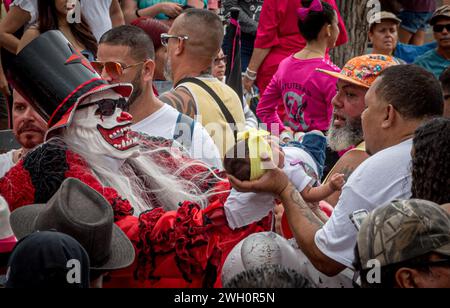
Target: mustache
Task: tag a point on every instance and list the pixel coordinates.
(28, 126)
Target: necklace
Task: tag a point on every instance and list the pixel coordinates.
(312, 51)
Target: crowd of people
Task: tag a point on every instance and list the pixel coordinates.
(139, 165)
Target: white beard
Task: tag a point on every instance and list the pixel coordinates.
(339, 139)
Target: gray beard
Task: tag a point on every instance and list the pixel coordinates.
(351, 134)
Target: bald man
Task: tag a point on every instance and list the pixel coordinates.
(192, 43)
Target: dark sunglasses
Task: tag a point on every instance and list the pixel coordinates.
(114, 69)
(440, 28)
(223, 59)
(107, 107)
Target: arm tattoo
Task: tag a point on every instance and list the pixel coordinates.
(306, 209)
(190, 109)
(174, 99)
(347, 171)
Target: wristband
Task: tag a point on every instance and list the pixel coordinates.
(251, 72)
(249, 77)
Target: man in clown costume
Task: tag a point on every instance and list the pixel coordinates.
(172, 208)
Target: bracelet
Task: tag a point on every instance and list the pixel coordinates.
(251, 72)
(246, 75)
(137, 13)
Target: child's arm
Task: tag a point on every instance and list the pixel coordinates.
(316, 194)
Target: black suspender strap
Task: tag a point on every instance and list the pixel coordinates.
(220, 103)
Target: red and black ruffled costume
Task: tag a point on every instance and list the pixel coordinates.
(183, 248)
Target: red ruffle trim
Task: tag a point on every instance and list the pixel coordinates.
(79, 169)
(190, 243)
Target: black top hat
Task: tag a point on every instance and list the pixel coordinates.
(52, 75)
(81, 212)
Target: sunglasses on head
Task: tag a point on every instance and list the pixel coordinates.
(107, 107)
(223, 59)
(114, 69)
(165, 38)
(440, 28)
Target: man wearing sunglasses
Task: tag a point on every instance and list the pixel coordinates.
(437, 60)
(407, 242)
(126, 55)
(192, 43)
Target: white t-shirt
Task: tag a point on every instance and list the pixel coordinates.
(162, 123)
(96, 13)
(242, 209)
(6, 162)
(378, 180)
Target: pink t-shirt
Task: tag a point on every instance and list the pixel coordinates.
(305, 93)
(278, 30)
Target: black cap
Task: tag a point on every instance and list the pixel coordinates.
(47, 259)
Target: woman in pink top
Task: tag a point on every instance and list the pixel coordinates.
(277, 38)
(305, 93)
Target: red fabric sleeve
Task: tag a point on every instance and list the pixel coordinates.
(16, 187)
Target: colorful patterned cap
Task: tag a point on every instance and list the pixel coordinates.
(403, 230)
(363, 70)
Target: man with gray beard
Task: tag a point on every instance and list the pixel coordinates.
(345, 130)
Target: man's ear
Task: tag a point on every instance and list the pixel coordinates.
(407, 277)
(390, 115)
(148, 70)
(180, 47)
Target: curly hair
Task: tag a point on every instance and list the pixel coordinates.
(431, 161)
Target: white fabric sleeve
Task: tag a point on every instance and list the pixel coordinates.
(337, 238)
(204, 149)
(298, 177)
(242, 209)
(28, 5)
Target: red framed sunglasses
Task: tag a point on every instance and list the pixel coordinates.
(114, 69)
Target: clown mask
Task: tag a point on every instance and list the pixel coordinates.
(101, 123)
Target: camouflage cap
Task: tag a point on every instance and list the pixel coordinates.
(443, 11)
(381, 16)
(403, 230)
